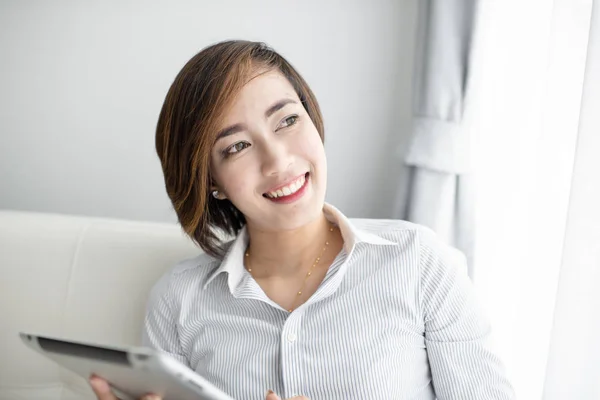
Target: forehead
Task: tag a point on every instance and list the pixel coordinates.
(261, 91)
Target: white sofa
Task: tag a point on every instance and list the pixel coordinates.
(76, 277)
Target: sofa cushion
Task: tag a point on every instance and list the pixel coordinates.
(75, 277)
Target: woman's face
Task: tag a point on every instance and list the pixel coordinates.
(268, 159)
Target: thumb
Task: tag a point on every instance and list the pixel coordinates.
(272, 396)
(101, 389)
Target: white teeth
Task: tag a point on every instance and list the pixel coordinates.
(289, 189)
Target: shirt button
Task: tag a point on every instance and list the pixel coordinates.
(291, 337)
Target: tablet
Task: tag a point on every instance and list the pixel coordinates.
(130, 371)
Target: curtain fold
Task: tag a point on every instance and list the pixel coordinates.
(440, 189)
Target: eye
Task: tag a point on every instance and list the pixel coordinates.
(288, 121)
(235, 148)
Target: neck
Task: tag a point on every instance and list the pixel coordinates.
(283, 253)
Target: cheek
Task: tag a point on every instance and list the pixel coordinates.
(312, 148)
(308, 142)
(235, 182)
(239, 187)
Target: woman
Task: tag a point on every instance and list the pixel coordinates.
(303, 301)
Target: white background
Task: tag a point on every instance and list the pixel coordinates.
(82, 84)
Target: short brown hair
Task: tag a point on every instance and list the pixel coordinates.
(187, 128)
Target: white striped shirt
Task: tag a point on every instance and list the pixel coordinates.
(394, 318)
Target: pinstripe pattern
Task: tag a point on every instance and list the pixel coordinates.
(394, 318)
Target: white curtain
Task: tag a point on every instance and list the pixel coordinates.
(534, 157)
(574, 357)
(440, 193)
(537, 192)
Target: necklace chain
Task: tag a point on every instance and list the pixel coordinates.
(308, 274)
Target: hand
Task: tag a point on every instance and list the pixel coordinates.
(273, 396)
(103, 392)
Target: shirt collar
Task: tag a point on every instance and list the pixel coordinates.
(233, 262)
(351, 234)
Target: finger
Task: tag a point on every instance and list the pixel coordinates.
(101, 389)
(151, 397)
(272, 396)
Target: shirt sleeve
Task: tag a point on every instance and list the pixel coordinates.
(160, 328)
(457, 334)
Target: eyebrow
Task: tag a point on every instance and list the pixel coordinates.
(233, 129)
(278, 106)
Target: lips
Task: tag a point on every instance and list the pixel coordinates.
(292, 197)
(287, 189)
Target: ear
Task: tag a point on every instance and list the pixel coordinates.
(217, 194)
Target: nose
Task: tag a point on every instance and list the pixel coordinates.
(276, 158)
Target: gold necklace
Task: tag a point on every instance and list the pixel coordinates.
(309, 273)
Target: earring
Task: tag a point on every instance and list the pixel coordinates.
(215, 194)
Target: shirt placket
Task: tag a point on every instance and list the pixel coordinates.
(292, 360)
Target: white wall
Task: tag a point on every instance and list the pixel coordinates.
(82, 84)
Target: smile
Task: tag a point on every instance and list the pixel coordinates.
(288, 189)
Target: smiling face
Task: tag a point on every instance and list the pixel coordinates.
(269, 159)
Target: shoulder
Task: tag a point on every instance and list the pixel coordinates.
(403, 233)
(438, 257)
(385, 226)
(424, 245)
(421, 257)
